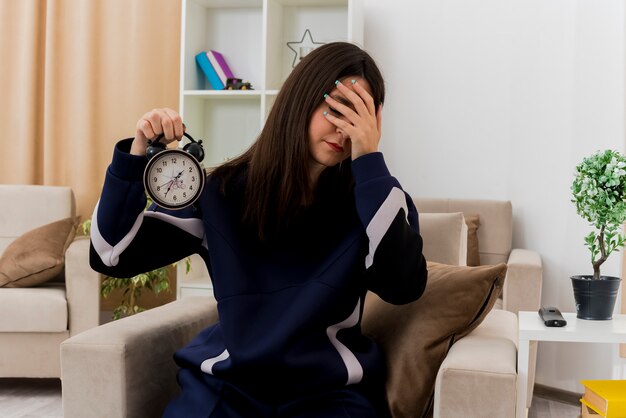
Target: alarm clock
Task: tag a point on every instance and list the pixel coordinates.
(174, 178)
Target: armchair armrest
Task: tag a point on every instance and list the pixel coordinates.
(82, 286)
(125, 369)
(478, 377)
(522, 285)
(522, 292)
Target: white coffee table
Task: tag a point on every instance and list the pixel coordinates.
(532, 328)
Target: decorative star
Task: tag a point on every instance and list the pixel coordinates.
(296, 46)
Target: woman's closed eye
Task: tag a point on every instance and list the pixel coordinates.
(334, 111)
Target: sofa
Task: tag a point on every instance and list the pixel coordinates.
(48, 292)
(131, 372)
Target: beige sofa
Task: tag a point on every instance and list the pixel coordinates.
(125, 368)
(35, 320)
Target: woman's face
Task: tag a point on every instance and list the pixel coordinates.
(328, 145)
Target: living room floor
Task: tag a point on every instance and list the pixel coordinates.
(41, 398)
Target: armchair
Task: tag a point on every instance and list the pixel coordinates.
(35, 320)
(132, 373)
(521, 291)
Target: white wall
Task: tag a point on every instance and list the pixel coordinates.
(501, 99)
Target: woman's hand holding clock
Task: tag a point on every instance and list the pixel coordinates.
(174, 177)
(153, 123)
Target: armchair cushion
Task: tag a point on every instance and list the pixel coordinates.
(417, 336)
(473, 249)
(445, 237)
(38, 255)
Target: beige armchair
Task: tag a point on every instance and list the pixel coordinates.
(491, 365)
(125, 368)
(35, 320)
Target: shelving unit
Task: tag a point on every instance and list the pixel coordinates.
(252, 35)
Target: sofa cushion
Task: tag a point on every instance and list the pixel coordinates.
(473, 251)
(41, 309)
(416, 337)
(445, 237)
(24, 207)
(38, 255)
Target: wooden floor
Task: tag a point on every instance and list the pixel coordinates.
(545, 408)
(41, 398)
(30, 398)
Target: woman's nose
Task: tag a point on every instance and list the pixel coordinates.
(342, 134)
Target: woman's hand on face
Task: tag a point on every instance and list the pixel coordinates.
(153, 123)
(362, 124)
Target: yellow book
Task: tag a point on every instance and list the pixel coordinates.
(606, 397)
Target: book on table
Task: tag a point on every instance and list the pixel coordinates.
(606, 397)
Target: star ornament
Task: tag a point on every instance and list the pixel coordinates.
(302, 48)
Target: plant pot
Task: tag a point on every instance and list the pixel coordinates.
(595, 299)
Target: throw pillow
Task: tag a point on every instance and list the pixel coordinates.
(38, 255)
(416, 337)
(473, 252)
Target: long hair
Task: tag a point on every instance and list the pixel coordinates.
(276, 166)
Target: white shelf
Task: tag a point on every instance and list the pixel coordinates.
(252, 35)
(194, 283)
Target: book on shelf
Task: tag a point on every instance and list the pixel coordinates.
(219, 64)
(605, 397)
(209, 71)
(586, 412)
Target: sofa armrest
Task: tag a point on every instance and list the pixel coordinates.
(522, 285)
(478, 377)
(125, 368)
(82, 286)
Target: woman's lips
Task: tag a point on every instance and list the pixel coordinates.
(334, 146)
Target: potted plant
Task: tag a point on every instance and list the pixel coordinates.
(599, 192)
(132, 288)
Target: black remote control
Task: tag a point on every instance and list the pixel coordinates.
(552, 317)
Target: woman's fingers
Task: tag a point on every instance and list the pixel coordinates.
(144, 128)
(177, 123)
(154, 123)
(366, 97)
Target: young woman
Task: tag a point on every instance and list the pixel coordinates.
(295, 232)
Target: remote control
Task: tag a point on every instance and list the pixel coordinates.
(552, 317)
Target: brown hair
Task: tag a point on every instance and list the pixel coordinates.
(277, 164)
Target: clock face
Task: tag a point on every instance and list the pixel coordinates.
(174, 179)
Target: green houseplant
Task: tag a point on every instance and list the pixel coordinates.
(599, 193)
(156, 280)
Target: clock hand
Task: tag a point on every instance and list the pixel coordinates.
(171, 182)
(168, 188)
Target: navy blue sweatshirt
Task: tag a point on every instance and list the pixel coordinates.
(289, 309)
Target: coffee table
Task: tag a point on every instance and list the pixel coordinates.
(532, 328)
